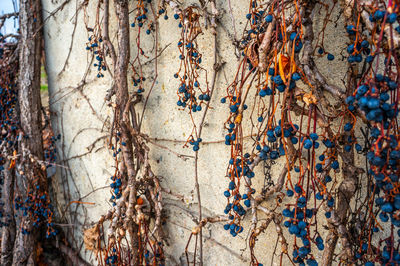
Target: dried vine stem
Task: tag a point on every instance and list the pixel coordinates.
(306, 61)
(264, 47)
(7, 16)
(216, 68)
(106, 35)
(121, 84)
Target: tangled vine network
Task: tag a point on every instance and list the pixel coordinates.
(339, 144)
(321, 131)
(297, 121)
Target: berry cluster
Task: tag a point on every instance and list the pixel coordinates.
(142, 19)
(235, 209)
(141, 16)
(94, 45)
(374, 99)
(112, 259)
(35, 204)
(191, 93)
(37, 207)
(115, 185)
(162, 11)
(116, 188)
(9, 122)
(49, 147)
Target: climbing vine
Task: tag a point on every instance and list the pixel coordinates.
(337, 145)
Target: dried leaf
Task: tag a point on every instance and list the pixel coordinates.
(251, 52)
(90, 237)
(284, 66)
(309, 98)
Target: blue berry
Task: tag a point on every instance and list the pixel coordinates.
(307, 144)
(387, 207)
(296, 76)
(379, 14)
(348, 126)
(314, 136)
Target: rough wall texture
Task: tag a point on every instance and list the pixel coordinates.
(82, 117)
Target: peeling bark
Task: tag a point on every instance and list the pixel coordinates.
(8, 232)
(264, 47)
(30, 20)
